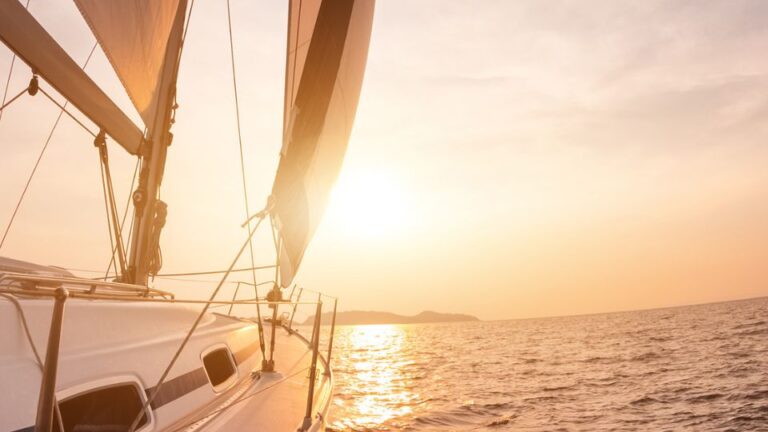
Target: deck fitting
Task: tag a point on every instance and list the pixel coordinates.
(267, 365)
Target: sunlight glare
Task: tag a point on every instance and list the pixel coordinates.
(387, 385)
(367, 204)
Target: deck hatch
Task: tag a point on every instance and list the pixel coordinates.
(110, 408)
(219, 366)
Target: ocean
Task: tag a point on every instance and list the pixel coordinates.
(700, 368)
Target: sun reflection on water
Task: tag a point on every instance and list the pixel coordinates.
(376, 381)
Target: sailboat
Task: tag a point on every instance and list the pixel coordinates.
(122, 354)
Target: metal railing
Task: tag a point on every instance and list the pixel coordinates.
(63, 288)
(25, 281)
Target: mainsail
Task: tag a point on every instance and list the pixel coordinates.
(135, 35)
(327, 51)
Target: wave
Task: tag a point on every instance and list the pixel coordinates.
(600, 360)
(542, 399)
(747, 325)
(500, 422)
(648, 355)
(753, 332)
(557, 388)
(645, 400)
(755, 395)
(629, 371)
(708, 397)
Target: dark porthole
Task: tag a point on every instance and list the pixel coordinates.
(110, 408)
(219, 366)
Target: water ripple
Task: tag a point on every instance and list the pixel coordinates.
(695, 368)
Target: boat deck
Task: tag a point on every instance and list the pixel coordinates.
(275, 401)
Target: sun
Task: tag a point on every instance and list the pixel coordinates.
(368, 203)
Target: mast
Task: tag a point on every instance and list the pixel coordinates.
(142, 40)
(150, 211)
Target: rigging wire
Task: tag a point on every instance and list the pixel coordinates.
(7, 84)
(42, 152)
(237, 288)
(122, 222)
(109, 275)
(171, 276)
(13, 99)
(186, 29)
(242, 172)
(66, 111)
(106, 207)
(217, 271)
(295, 57)
(109, 202)
(8, 80)
(192, 329)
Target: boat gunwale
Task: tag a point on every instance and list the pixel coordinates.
(43, 287)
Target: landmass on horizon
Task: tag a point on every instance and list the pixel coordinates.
(375, 317)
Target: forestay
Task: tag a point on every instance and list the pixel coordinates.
(327, 51)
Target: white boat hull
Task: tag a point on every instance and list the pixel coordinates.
(106, 343)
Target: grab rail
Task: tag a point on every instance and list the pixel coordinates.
(88, 285)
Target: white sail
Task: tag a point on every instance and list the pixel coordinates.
(327, 51)
(134, 35)
(28, 39)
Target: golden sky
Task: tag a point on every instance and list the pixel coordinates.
(509, 159)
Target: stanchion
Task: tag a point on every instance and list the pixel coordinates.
(44, 421)
(298, 299)
(313, 367)
(330, 338)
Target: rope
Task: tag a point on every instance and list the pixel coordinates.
(23, 319)
(242, 172)
(192, 329)
(40, 156)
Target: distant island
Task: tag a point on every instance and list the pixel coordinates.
(372, 317)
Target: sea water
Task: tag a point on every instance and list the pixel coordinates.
(696, 368)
